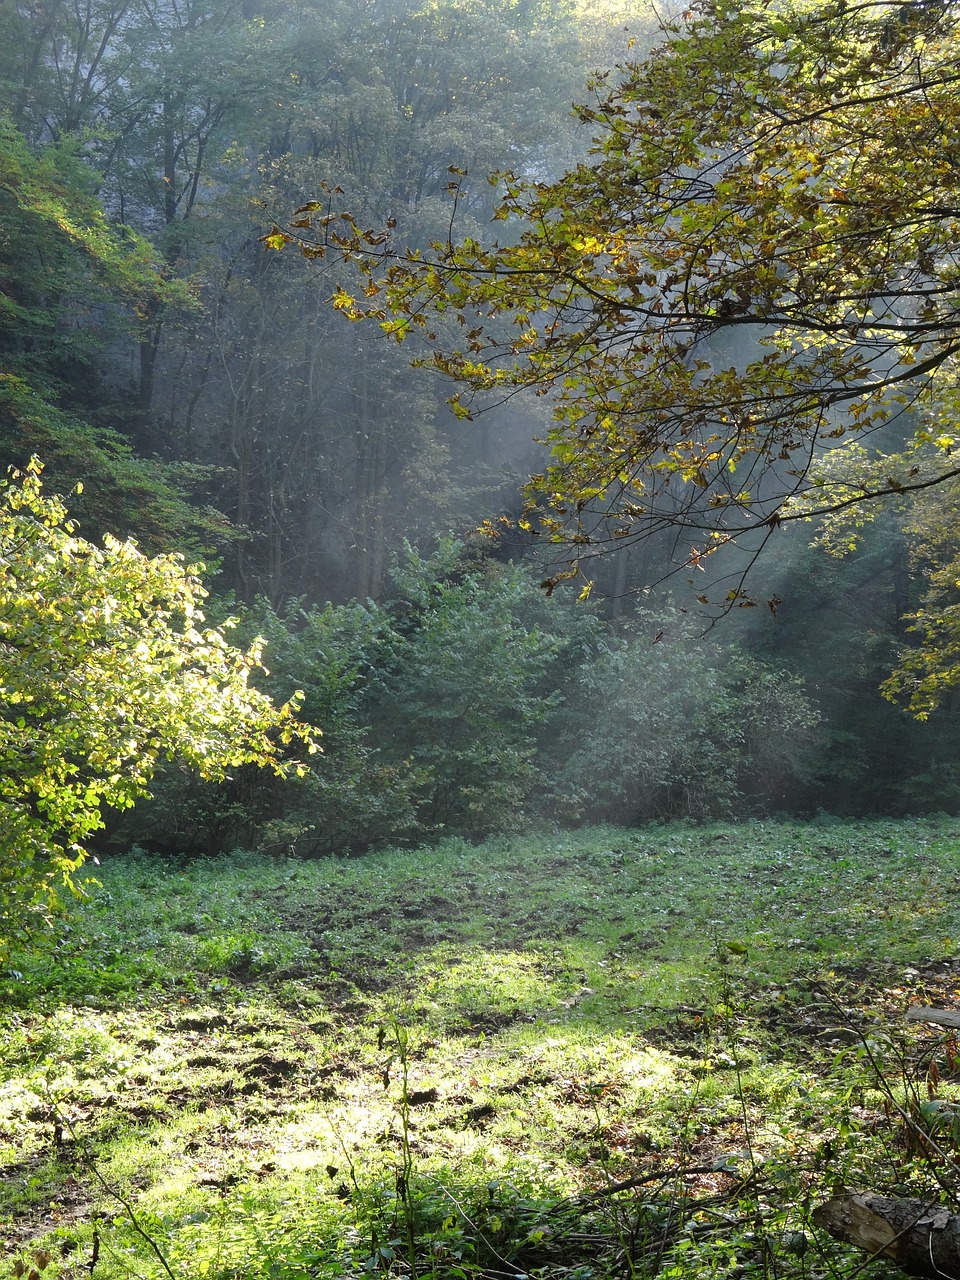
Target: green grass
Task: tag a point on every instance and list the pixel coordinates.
(441, 1061)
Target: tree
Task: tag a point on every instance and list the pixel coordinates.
(338, 451)
(191, 119)
(758, 259)
(57, 251)
(105, 669)
(467, 673)
(928, 673)
(922, 581)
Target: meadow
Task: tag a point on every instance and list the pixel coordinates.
(577, 1054)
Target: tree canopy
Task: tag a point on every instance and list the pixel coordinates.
(757, 262)
(106, 668)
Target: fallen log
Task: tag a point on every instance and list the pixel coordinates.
(922, 1239)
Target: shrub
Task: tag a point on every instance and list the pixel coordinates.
(672, 729)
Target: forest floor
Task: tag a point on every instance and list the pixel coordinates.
(601, 1053)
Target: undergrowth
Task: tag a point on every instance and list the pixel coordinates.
(609, 1053)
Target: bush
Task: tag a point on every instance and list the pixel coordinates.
(671, 729)
(469, 702)
(107, 667)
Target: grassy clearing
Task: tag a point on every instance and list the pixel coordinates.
(447, 1062)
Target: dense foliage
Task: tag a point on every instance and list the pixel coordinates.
(106, 668)
(667, 730)
(469, 703)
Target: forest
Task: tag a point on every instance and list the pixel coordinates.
(479, 639)
(210, 401)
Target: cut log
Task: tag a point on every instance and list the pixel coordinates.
(940, 1017)
(922, 1239)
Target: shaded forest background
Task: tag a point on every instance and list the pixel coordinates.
(211, 402)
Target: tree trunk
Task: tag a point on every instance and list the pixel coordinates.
(922, 1239)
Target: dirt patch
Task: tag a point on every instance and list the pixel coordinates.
(201, 1022)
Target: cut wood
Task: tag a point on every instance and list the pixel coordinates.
(942, 1017)
(922, 1239)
